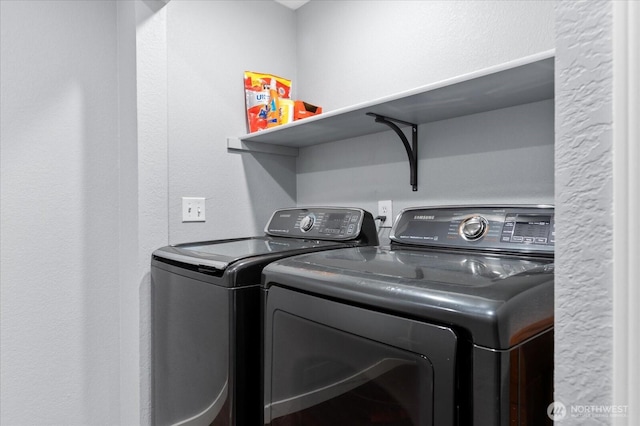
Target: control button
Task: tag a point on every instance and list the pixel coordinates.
(506, 239)
(541, 240)
(529, 239)
(516, 239)
(355, 218)
(307, 223)
(473, 228)
(350, 229)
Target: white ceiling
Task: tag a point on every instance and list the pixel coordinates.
(292, 4)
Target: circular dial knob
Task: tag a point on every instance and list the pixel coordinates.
(473, 228)
(307, 223)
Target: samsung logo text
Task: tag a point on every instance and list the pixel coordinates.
(423, 217)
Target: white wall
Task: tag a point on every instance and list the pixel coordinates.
(128, 237)
(152, 198)
(626, 208)
(60, 213)
(210, 45)
(584, 192)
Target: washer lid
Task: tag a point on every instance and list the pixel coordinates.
(220, 254)
(500, 300)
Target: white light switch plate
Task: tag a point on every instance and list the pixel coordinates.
(193, 209)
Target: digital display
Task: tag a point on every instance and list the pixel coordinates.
(531, 228)
(533, 219)
(334, 220)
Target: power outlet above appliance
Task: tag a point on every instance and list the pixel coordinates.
(385, 209)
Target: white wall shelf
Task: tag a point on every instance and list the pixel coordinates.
(519, 82)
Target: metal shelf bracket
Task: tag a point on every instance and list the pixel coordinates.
(412, 150)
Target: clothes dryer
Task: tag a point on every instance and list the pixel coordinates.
(207, 319)
(450, 325)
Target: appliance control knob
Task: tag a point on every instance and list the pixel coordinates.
(307, 223)
(473, 228)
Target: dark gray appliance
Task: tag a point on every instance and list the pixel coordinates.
(450, 325)
(207, 319)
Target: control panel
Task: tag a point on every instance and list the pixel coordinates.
(320, 223)
(520, 229)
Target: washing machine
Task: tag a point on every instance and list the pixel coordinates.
(452, 324)
(207, 319)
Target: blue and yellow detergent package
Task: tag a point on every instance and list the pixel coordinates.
(263, 95)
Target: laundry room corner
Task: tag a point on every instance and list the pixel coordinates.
(205, 93)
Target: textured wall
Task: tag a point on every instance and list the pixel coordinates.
(60, 212)
(584, 205)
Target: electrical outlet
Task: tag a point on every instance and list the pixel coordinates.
(193, 209)
(385, 208)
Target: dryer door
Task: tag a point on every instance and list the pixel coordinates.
(329, 363)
